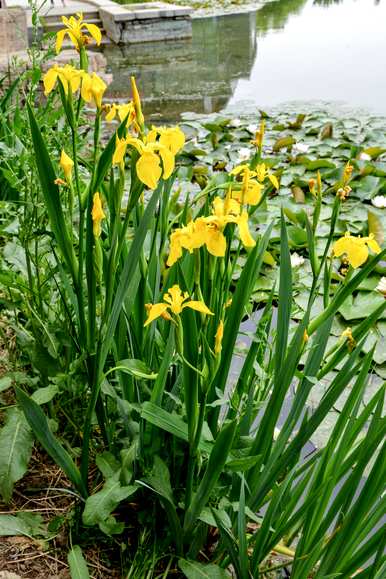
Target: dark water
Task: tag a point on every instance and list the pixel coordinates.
(330, 50)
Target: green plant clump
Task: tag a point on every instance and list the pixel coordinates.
(130, 270)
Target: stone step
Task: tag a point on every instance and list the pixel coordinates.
(55, 25)
(55, 14)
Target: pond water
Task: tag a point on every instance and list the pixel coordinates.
(329, 50)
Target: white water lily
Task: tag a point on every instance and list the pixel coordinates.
(381, 287)
(235, 123)
(296, 260)
(243, 154)
(379, 201)
(300, 148)
(252, 128)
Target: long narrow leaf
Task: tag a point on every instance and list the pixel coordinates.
(40, 427)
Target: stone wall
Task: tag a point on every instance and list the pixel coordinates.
(133, 23)
(13, 30)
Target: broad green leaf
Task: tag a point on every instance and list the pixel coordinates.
(40, 427)
(16, 442)
(28, 524)
(10, 526)
(5, 383)
(101, 504)
(44, 395)
(195, 570)
(77, 563)
(172, 423)
(159, 479)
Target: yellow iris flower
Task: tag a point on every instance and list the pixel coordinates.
(151, 153)
(175, 301)
(122, 111)
(355, 248)
(97, 214)
(91, 85)
(74, 29)
(208, 231)
(252, 183)
(148, 166)
(68, 75)
(93, 88)
(66, 164)
(250, 191)
(170, 137)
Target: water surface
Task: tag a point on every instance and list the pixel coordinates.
(332, 50)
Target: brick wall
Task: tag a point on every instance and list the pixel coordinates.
(13, 30)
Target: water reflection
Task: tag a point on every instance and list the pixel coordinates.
(198, 75)
(328, 50)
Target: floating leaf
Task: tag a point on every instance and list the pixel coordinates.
(374, 152)
(298, 194)
(376, 227)
(283, 143)
(327, 131)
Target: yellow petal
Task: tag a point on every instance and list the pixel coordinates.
(137, 102)
(111, 113)
(85, 90)
(97, 215)
(273, 180)
(120, 150)
(167, 161)
(59, 39)
(151, 137)
(373, 245)
(198, 306)
(175, 298)
(245, 235)
(94, 31)
(136, 143)
(49, 80)
(341, 245)
(354, 247)
(218, 338)
(216, 243)
(66, 164)
(148, 169)
(172, 138)
(155, 312)
(74, 82)
(358, 256)
(175, 251)
(253, 194)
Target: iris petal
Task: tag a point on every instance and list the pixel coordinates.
(95, 32)
(59, 39)
(198, 307)
(155, 312)
(148, 169)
